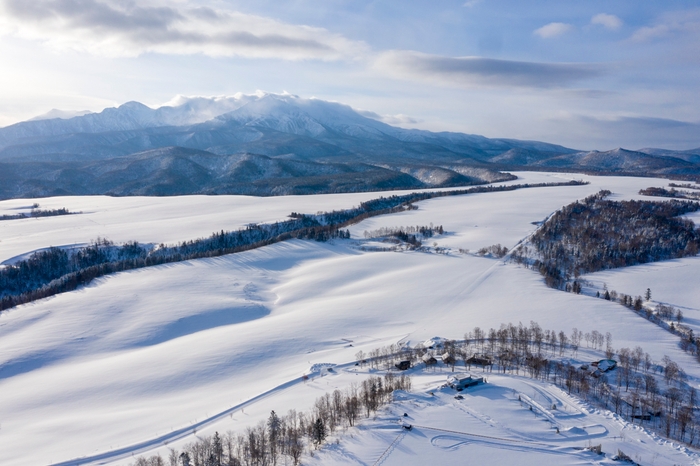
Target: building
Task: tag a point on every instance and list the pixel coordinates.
(605, 365)
(428, 359)
(460, 382)
(447, 358)
(478, 360)
(403, 365)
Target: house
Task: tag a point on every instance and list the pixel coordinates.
(447, 358)
(460, 382)
(605, 365)
(403, 365)
(428, 359)
(479, 361)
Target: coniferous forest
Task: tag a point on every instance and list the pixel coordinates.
(597, 234)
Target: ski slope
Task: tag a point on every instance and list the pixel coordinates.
(146, 359)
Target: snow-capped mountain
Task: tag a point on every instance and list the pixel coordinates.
(314, 145)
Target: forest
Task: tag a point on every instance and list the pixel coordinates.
(597, 234)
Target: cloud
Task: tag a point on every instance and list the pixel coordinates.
(395, 120)
(471, 3)
(683, 23)
(553, 30)
(482, 72)
(611, 22)
(126, 28)
(629, 131)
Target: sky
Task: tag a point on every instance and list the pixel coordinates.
(588, 75)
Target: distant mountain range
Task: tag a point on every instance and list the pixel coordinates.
(270, 144)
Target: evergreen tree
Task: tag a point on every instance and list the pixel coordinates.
(274, 426)
(318, 432)
(218, 448)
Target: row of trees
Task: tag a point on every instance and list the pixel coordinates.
(53, 271)
(36, 212)
(427, 231)
(663, 192)
(598, 234)
(286, 438)
(495, 250)
(665, 316)
(684, 185)
(412, 236)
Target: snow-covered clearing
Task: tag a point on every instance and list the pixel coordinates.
(143, 357)
(493, 424)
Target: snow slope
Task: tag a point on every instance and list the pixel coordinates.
(145, 357)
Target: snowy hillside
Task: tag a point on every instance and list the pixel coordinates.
(146, 360)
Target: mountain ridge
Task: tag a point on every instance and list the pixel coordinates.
(276, 144)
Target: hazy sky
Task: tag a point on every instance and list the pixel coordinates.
(586, 74)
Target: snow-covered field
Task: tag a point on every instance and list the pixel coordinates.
(141, 358)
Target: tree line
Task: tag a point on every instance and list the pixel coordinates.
(663, 192)
(665, 316)
(55, 270)
(35, 212)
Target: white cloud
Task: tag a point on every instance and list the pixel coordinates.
(634, 132)
(611, 22)
(683, 22)
(553, 30)
(395, 120)
(131, 29)
(471, 3)
(482, 72)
